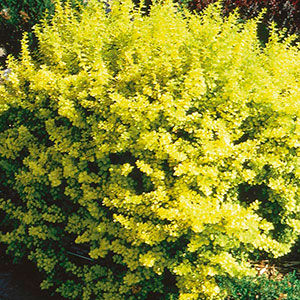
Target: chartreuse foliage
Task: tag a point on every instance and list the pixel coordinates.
(167, 146)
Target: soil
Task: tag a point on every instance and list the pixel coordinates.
(12, 289)
(21, 282)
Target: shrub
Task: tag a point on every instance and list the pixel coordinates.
(166, 146)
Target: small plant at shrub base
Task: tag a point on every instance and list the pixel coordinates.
(165, 146)
(263, 288)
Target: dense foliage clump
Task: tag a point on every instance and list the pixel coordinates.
(165, 146)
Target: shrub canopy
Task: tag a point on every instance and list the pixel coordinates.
(166, 146)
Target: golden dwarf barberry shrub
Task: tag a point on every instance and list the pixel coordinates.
(166, 147)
